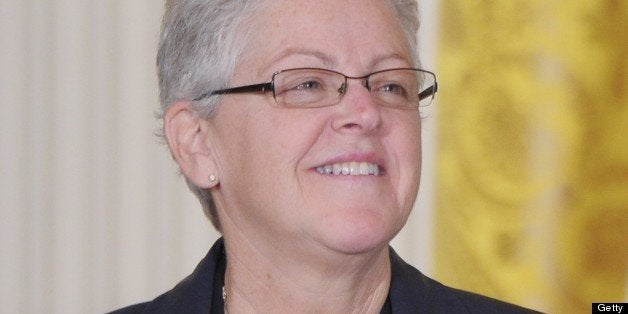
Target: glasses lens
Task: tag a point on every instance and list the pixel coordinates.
(401, 88)
(307, 87)
(397, 88)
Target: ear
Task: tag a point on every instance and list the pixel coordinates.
(187, 135)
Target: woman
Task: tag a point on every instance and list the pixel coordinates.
(297, 125)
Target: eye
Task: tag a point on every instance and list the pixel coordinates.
(303, 85)
(308, 85)
(393, 88)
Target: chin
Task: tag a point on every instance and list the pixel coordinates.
(359, 233)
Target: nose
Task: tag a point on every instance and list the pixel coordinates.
(357, 112)
(343, 88)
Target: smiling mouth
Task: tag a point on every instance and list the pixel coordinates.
(352, 168)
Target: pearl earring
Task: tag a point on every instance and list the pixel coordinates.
(213, 178)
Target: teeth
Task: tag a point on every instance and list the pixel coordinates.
(345, 168)
(329, 169)
(353, 168)
(337, 169)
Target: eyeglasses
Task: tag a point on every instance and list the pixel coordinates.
(403, 88)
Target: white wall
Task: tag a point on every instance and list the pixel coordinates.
(93, 215)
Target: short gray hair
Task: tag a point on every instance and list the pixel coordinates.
(201, 42)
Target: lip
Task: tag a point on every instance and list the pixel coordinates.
(370, 157)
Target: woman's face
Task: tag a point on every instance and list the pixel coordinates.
(267, 156)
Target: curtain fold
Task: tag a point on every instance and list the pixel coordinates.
(94, 215)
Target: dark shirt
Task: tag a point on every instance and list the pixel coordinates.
(410, 292)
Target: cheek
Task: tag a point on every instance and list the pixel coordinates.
(273, 152)
(265, 148)
(405, 136)
(407, 140)
(414, 144)
(285, 137)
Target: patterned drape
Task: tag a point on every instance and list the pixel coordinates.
(532, 192)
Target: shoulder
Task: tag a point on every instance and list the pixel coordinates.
(194, 294)
(475, 303)
(132, 309)
(413, 292)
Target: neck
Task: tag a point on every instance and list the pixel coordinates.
(268, 278)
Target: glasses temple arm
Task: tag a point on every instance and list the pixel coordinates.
(430, 91)
(262, 88)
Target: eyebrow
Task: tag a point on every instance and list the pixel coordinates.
(386, 57)
(328, 60)
(293, 51)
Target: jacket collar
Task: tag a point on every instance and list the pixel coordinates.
(201, 291)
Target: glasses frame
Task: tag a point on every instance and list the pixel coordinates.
(428, 92)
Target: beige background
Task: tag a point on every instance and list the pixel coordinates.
(93, 214)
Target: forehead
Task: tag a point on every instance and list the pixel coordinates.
(325, 33)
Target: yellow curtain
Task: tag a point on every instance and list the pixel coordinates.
(532, 191)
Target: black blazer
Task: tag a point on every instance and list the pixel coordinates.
(410, 292)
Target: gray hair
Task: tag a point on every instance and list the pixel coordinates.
(201, 42)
